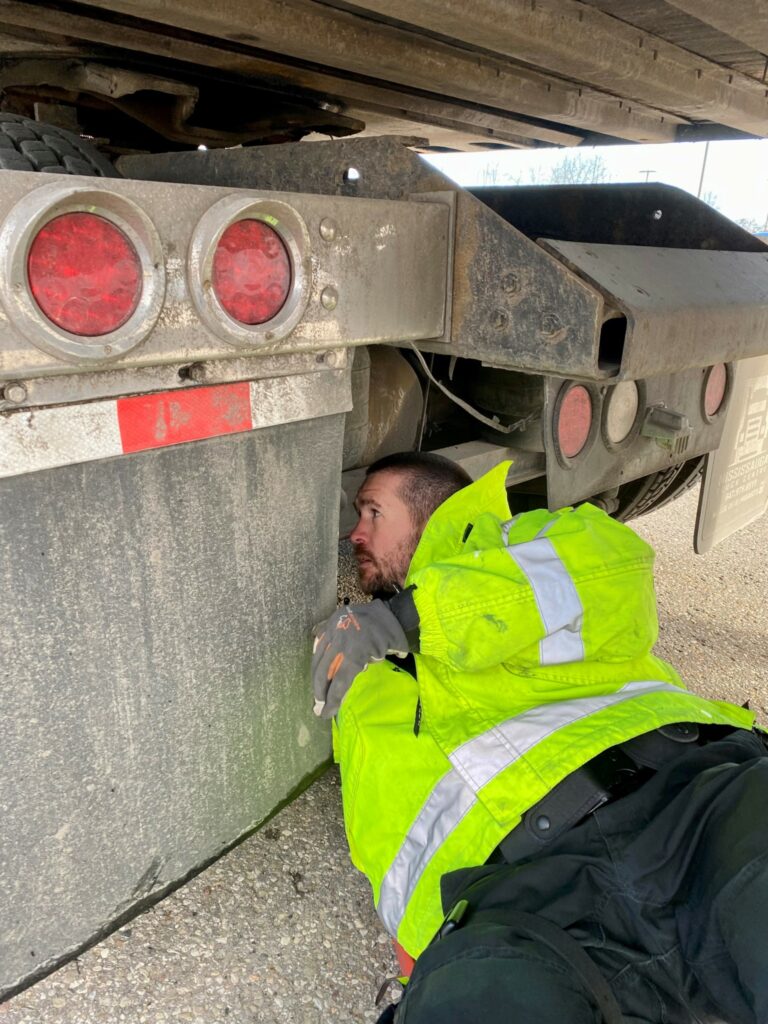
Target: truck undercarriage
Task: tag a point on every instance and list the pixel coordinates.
(202, 332)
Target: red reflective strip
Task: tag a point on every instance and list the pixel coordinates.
(405, 960)
(173, 417)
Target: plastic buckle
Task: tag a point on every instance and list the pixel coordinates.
(680, 732)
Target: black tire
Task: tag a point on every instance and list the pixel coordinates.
(27, 145)
(652, 492)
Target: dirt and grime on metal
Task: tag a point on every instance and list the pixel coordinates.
(282, 929)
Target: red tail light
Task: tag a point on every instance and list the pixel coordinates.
(715, 388)
(573, 420)
(84, 274)
(251, 272)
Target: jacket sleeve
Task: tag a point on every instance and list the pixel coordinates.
(581, 591)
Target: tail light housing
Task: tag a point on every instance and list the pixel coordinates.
(574, 421)
(714, 395)
(85, 270)
(249, 270)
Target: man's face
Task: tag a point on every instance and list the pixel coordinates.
(385, 537)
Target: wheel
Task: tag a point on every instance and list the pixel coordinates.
(635, 498)
(651, 492)
(27, 145)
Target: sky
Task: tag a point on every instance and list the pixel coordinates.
(735, 173)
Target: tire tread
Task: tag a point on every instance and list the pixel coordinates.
(27, 145)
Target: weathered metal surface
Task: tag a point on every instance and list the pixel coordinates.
(478, 457)
(735, 487)
(744, 20)
(155, 648)
(683, 307)
(601, 466)
(618, 214)
(698, 36)
(395, 404)
(512, 303)
(326, 37)
(483, 74)
(387, 168)
(166, 106)
(39, 439)
(384, 109)
(387, 263)
(585, 45)
(78, 387)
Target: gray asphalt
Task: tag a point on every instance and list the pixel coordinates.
(282, 928)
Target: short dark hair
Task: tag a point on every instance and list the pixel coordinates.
(427, 480)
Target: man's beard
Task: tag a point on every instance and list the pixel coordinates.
(387, 574)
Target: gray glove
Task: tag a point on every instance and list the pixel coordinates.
(353, 637)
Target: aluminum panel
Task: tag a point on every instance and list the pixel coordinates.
(364, 271)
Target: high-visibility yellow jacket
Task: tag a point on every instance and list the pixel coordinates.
(536, 638)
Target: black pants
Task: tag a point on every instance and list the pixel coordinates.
(665, 889)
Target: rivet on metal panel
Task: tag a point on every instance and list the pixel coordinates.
(510, 283)
(499, 319)
(329, 297)
(328, 229)
(14, 393)
(195, 372)
(550, 324)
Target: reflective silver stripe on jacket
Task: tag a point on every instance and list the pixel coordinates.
(475, 763)
(556, 597)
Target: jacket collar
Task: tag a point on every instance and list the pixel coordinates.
(445, 532)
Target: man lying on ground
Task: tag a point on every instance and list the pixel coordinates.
(551, 823)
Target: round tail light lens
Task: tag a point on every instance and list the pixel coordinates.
(251, 272)
(84, 274)
(714, 389)
(621, 414)
(574, 421)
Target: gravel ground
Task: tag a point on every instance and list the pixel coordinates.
(282, 931)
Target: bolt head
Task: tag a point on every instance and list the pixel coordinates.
(550, 324)
(511, 283)
(329, 297)
(328, 229)
(14, 393)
